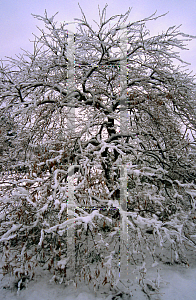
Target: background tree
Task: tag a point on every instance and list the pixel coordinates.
(154, 158)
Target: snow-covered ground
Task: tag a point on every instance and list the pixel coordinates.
(176, 283)
(181, 283)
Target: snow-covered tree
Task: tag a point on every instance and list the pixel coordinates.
(98, 151)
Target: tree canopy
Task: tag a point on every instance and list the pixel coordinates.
(97, 143)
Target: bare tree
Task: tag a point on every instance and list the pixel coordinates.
(103, 131)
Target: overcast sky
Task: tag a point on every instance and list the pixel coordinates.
(17, 24)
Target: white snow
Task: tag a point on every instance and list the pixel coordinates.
(6, 236)
(180, 284)
(176, 283)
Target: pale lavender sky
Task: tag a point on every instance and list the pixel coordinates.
(17, 24)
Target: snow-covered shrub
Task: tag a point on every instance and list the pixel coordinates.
(81, 195)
